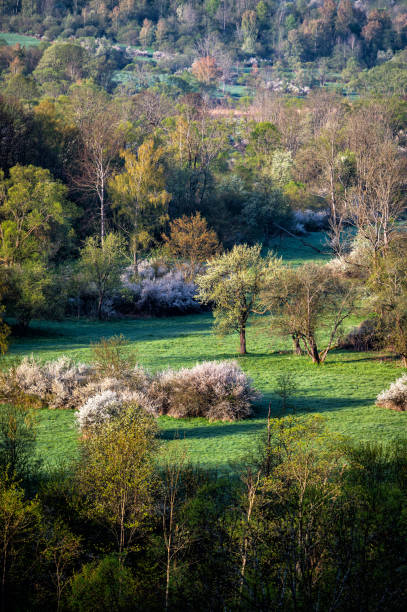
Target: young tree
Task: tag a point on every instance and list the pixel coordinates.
(233, 282)
(61, 549)
(192, 241)
(305, 299)
(116, 474)
(140, 196)
(388, 284)
(101, 265)
(20, 525)
(17, 440)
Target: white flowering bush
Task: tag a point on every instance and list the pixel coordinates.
(109, 404)
(215, 390)
(160, 290)
(395, 397)
(99, 409)
(54, 383)
(310, 220)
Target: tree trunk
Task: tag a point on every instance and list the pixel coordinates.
(100, 302)
(102, 216)
(243, 340)
(314, 352)
(296, 345)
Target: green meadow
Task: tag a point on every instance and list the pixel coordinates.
(11, 38)
(343, 389)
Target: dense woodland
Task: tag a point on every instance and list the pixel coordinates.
(151, 154)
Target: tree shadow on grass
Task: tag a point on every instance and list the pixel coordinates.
(257, 423)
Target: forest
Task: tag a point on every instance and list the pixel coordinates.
(203, 305)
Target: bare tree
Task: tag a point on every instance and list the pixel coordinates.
(99, 124)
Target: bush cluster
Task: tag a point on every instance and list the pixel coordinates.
(214, 390)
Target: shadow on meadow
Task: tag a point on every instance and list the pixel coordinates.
(256, 424)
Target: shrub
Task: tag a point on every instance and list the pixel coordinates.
(215, 390)
(310, 220)
(99, 409)
(363, 337)
(54, 383)
(161, 291)
(395, 397)
(110, 403)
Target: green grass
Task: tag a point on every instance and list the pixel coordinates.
(11, 38)
(343, 389)
(312, 247)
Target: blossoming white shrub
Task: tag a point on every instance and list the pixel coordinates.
(215, 390)
(98, 409)
(395, 397)
(159, 290)
(53, 382)
(109, 404)
(310, 220)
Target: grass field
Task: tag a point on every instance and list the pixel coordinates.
(343, 389)
(11, 38)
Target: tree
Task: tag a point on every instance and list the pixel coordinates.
(388, 284)
(305, 299)
(30, 292)
(101, 265)
(103, 585)
(116, 475)
(205, 69)
(140, 196)
(192, 241)
(98, 120)
(376, 202)
(17, 440)
(20, 525)
(63, 63)
(4, 329)
(60, 551)
(232, 282)
(34, 215)
(249, 30)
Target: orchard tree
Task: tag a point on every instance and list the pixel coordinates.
(101, 264)
(140, 197)
(233, 282)
(192, 241)
(306, 299)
